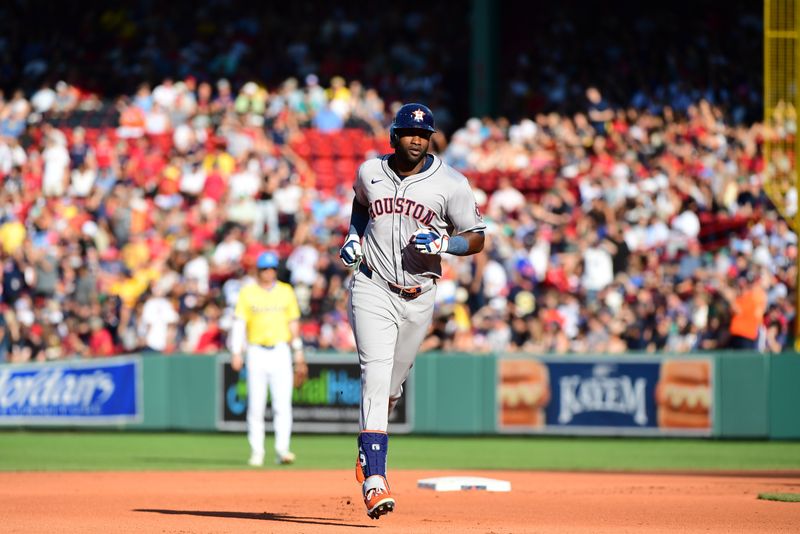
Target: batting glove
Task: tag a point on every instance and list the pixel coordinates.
(427, 241)
(351, 252)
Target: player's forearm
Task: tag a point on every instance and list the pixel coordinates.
(466, 243)
(294, 330)
(296, 342)
(238, 335)
(359, 218)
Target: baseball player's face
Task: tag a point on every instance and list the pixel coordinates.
(412, 144)
(267, 276)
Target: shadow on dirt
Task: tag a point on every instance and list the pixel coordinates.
(264, 516)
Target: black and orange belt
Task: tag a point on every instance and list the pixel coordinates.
(407, 292)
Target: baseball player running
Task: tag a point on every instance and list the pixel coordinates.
(267, 318)
(409, 209)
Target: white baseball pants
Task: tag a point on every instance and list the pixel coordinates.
(269, 370)
(389, 331)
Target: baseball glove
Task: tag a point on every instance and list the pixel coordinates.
(300, 374)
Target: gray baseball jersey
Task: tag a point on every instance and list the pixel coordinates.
(388, 327)
(439, 198)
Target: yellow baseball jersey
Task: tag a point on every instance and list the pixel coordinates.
(267, 313)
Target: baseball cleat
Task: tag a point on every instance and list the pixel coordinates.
(381, 509)
(256, 460)
(377, 498)
(285, 458)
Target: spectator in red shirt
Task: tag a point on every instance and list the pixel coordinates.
(215, 186)
(100, 342)
(211, 340)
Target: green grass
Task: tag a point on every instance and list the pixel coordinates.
(783, 497)
(80, 450)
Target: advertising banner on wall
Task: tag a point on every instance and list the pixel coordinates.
(623, 396)
(327, 402)
(71, 392)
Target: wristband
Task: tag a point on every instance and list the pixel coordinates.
(297, 344)
(457, 245)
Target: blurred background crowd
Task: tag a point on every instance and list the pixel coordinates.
(144, 167)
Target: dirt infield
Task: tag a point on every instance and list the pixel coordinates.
(295, 501)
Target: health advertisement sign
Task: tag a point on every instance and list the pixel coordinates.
(327, 402)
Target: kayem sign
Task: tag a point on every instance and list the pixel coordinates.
(327, 402)
(604, 395)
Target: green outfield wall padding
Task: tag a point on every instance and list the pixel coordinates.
(178, 393)
(784, 396)
(756, 396)
(191, 394)
(155, 385)
(455, 393)
(742, 407)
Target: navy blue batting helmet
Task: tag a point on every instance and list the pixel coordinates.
(412, 116)
(267, 260)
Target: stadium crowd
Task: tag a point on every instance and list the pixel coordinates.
(610, 230)
(639, 52)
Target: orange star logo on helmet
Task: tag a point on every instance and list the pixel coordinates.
(418, 115)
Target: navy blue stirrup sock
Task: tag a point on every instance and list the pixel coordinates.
(372, 450)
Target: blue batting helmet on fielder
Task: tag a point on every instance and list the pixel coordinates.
(267, 260)
(411, 116)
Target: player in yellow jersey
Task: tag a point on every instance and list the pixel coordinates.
(267, 324)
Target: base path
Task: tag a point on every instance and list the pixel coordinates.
(294, 501)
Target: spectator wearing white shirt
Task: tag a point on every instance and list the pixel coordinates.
(246, 181)
(56, 167)
(539, 254)
(198, 269)
(302, 262)
(165, 94)
(656, 233)
(194, 328)
(82, 180)
(183, 138)
(506, 199)
(598, 267)
(156, 121)
(157, 322)
(687, 223)
(11, 155)
(495, 280)
(288, 197)
(226, 260)
(43, 99)
(193, 179)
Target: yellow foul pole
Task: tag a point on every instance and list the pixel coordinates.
(781, 105)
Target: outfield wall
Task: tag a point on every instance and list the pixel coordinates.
(726, 395)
